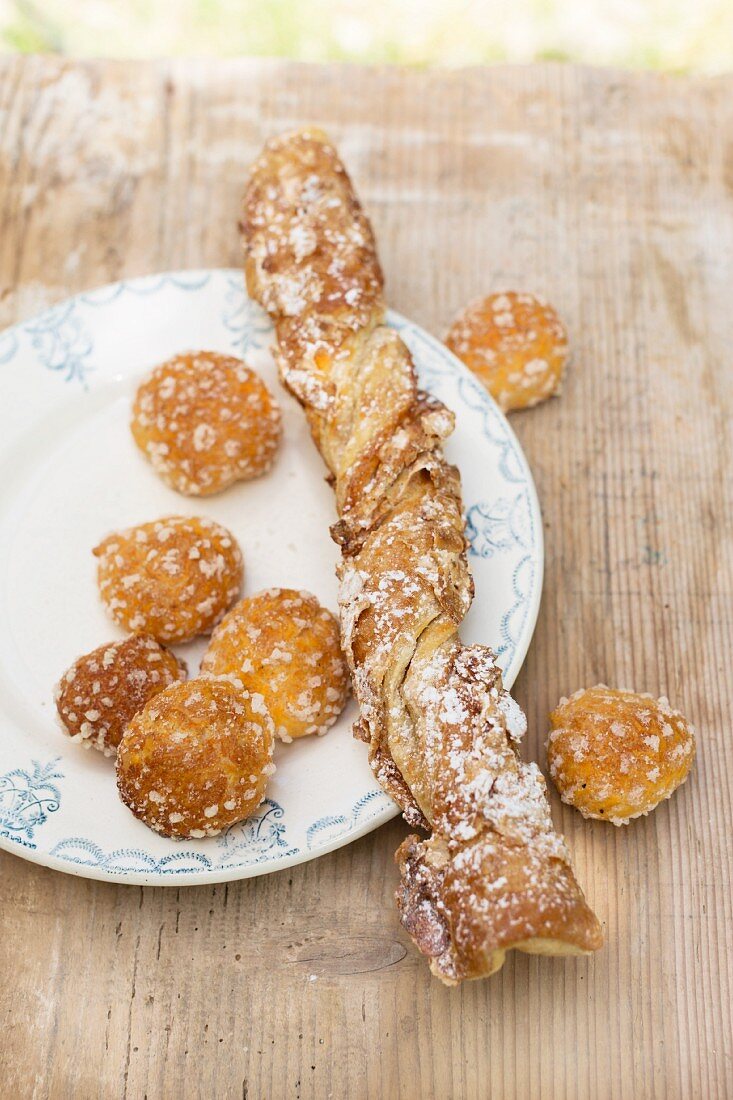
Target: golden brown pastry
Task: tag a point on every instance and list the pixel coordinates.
(515, 344)
(442, 732)
(173, 578)
(206, 420)
(196, 759)
(282, 644)
(104, 689)
(615, 755)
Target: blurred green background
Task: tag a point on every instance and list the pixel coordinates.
(678, 35)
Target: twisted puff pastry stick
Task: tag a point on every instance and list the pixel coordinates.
(442, 732)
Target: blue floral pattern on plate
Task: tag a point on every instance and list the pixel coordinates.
(249, 324)
(329, 828)
(501, 525)
(258, 839)
(62, 342)
(28, 796)
(8, 345)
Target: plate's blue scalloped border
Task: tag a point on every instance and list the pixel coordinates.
(28, 796)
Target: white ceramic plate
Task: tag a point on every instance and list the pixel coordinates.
(70, 473)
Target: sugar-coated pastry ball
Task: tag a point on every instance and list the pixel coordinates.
(173, 578)
(104, 689)
(204, 421)
(282, 644)
(197, 759)
(515, 344)
(615, 755)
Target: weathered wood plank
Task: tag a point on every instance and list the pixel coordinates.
(613, 195)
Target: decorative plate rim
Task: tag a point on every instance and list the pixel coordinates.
(195, 279)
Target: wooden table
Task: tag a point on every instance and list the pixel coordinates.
(612, 194)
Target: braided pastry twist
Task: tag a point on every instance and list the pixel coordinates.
(442, 731)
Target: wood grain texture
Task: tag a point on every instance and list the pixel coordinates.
(613, 195)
